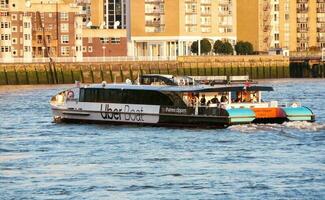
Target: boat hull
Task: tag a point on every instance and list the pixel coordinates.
(162, 116)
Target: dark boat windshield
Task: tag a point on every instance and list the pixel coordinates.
(125, 96)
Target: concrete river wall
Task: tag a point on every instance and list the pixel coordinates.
(256, 67)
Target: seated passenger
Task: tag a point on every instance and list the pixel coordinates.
(238, 99)
(215, 99)
(202, 101)
(224, 99)
(254, 99)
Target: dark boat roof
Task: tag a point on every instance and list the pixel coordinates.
(191, 88)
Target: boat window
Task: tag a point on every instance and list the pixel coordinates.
(124, 96)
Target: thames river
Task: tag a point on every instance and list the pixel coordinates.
(43, 160)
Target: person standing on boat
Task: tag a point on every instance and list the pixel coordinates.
(203, 100)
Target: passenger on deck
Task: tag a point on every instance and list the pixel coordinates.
(254, 99)
(215, 99)
(224, 99)
(203, 100)
(238, 99)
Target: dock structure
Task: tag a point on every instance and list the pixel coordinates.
(257, 67)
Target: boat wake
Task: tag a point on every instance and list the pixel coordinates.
(298, 126)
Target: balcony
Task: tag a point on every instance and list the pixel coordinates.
(302, 19)
(302, 1)
(320, 1)
(225, 13)
(191, 12)
(320, 39)
(224, 2)
(320, 20)
(205, 2)
(302, 39)
(154, 23)
(190, 1)
(205, 13)
(154, 12)
(266, 28)
(302, 10)
(321, 10)
(321, 29)
(266, 7)
(302, 30)
(154, 1)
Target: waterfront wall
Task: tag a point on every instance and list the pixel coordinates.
(255, 66)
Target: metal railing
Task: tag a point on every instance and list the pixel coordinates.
(89, 59)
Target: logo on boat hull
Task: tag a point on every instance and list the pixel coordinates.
(129, 113)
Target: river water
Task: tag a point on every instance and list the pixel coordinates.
(43, 160)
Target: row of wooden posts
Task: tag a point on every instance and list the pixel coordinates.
(117, 72)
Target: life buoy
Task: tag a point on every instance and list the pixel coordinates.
(70, 94)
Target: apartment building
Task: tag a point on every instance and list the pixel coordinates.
(30, 30)
(168, 28)
(296, 25)
(109, 14)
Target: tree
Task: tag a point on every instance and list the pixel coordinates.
(217, 47)
(249, 48)
(244, 48)
(205, 46)
(194, 47)
(227, 48)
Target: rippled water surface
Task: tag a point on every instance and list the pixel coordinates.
(43, 160)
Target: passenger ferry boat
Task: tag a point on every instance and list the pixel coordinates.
(163, 104)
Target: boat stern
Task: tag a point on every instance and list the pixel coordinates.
(299, 114)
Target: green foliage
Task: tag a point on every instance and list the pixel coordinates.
(244, 48)
(205, 46)
(227, 48)
(220, 47)
(217, 47)
(194, 47)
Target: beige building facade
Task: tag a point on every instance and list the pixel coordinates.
(168, 28)
(296, 25)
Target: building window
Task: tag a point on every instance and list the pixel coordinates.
(14, 17)
(78, 37)
(5, 36)
(27, 36)
(65, 39)
(65, 28)
(65, 51)
(14, 29)
(104, 40)
(14, 40)
(5, 49)
(64, 16)
(27, 48)
(90, 49)
(115, 40)
(26, 25)
(5, 25)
